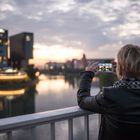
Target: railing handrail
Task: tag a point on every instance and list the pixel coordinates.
(30, 120)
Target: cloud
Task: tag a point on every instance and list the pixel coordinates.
(6, 7)
(88, 25)
(2, 16)
(83, 1)
(64, 6)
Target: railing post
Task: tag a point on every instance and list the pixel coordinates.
(86, 127)
(9, 135)
(70, 129)
(52, 130)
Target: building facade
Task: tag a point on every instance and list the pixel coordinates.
(21, 49)
(3, 47)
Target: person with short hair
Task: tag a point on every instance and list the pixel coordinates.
(119, 105)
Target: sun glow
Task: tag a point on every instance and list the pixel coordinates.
(57, 53)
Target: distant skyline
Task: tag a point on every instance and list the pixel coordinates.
(67, 29)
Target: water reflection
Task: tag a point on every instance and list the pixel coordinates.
(54, 92)
(51, 92)
(17, 102)
(52, 83)
(73, 81)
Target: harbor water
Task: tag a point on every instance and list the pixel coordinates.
(51, 92)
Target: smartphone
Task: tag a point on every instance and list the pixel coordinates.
(106, 67)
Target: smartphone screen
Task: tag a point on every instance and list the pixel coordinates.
(105, 67)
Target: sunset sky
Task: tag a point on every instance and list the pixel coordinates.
(65, 29)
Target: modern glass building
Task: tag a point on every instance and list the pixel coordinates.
(3, 47)
(21, 48)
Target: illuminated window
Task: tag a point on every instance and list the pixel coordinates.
(8, 53)
(2, 31)
(28, 38)
(0, 59)
(5, 43)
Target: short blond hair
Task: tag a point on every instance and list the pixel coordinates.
(129, 61)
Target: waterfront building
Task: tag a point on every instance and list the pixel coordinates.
(77, 64)
(3, 48)
(21, 49)
(54, 66)
(69, 64)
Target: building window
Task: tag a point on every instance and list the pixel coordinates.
(28, 38)
(0, 59)
(2, 30)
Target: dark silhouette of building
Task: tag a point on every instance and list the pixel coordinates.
(21, 49)
(3, 47)
(84, 61)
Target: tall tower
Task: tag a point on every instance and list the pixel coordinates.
(3, 47)
(84, 61)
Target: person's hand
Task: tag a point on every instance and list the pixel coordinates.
(93, 67)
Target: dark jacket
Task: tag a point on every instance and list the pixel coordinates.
(120, 109)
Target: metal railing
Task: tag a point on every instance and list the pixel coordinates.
(8, 125)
